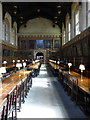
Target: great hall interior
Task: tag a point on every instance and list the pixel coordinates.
(44, 59)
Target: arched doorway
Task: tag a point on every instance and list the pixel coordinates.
(40, 56)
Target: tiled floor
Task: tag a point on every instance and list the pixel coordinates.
(47, 99)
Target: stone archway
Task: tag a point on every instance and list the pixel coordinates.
(42, 52)
(40, 56)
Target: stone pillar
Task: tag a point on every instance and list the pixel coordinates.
(1, 23)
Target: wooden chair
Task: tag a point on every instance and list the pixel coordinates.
(74, 92)
(6, 108)
(70, 85)
(27, 84)
(84, 100)
(25, 87)
(19, 97)
(10, 109)
(30, 81)
(3, 113)
(60, 76)
(65, 80)
(22, 92)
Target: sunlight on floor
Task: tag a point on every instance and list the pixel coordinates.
(39, 111)
(43, 72)
(44, 102)
(38, 82)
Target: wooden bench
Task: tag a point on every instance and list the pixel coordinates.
(74, 88)
(65, 80)
(9, 109)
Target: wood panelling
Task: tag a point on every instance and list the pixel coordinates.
(9, 53)
(78, 50)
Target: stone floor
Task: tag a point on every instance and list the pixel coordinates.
(47, 99)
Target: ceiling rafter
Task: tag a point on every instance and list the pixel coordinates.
(21, 12)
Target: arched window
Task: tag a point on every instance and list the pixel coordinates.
(14, 36)
(77, 31)
(68, 28)
(88, 13)
(7, 30)
(3, 31)
(75, 19)
(63, 35)
(69, 31)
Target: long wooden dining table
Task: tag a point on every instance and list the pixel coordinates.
(34, 66)
(78, 84)
(9, 83)
(83, 82)
(56, 66)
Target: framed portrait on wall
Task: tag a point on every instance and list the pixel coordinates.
(23, 44)
(56, 43)
(48, 44)
(39, 43)
(32, 44)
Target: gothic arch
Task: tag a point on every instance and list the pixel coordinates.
(40, 51)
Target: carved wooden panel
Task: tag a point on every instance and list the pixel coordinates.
(85, 48)
(79, 49)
